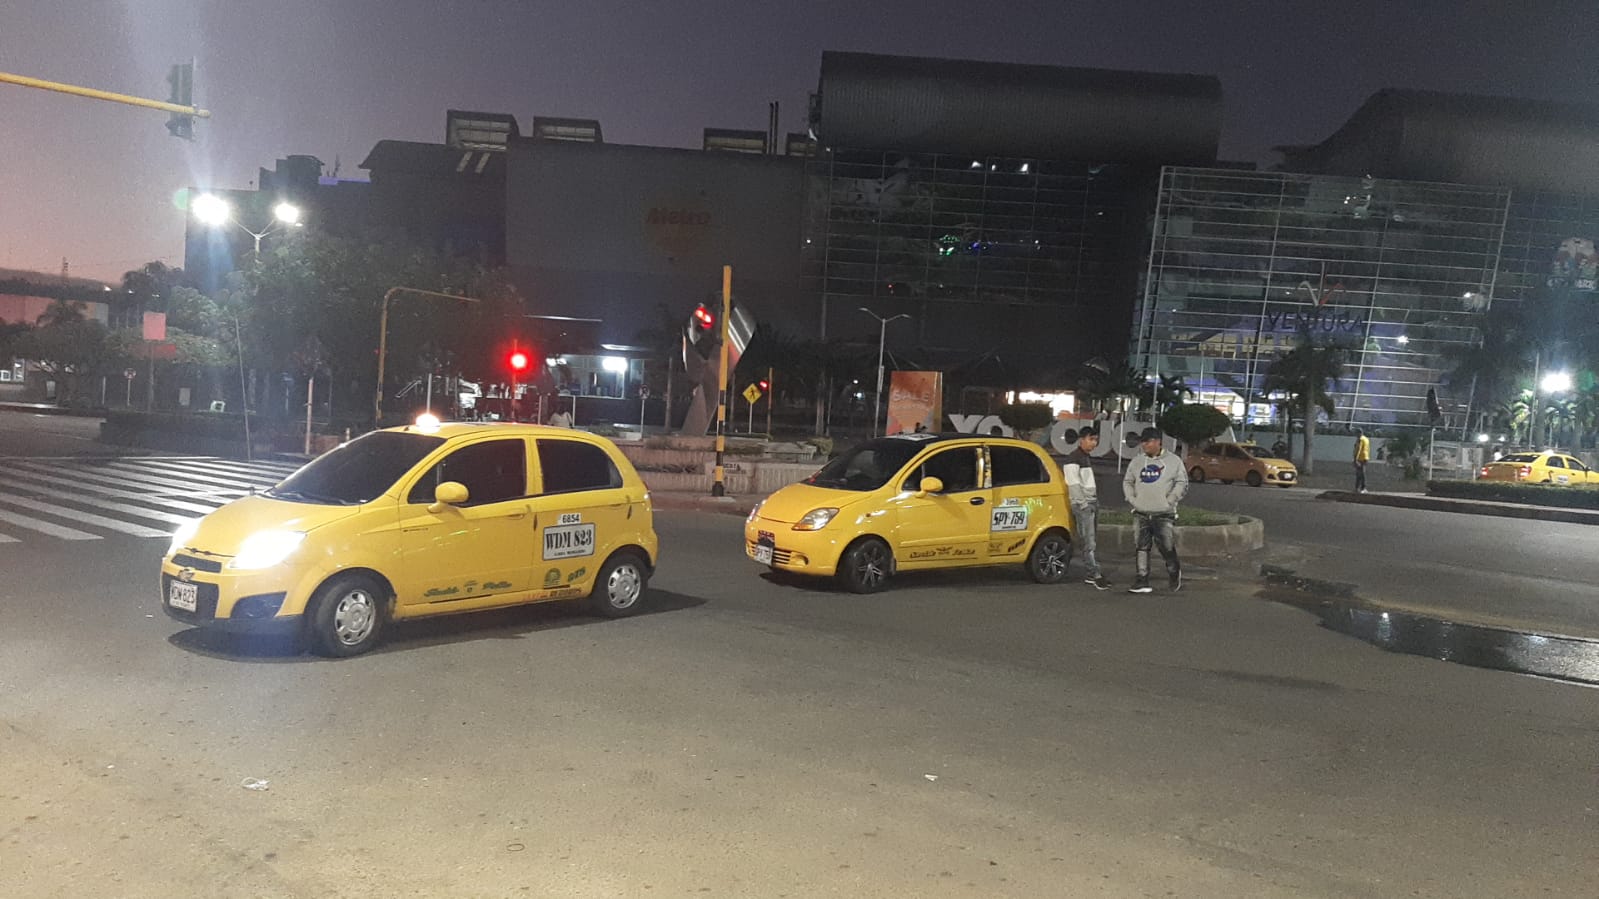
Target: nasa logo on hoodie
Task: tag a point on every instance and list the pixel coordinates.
(1151, 472)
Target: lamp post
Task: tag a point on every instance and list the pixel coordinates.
(882, 335)
(1552, 383)
(212, 210)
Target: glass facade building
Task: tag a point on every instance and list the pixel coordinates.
(1025, 260)
(1245, 264)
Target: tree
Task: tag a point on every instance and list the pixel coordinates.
(1113, 381)
(1304, 374)
(66, 347)
(1026, 419)
(1194, 423)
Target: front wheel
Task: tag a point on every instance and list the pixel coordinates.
(866, 566)
(1051, 556)
(619, 587)
(1252, 479)
(1197, 475)
(348, 615)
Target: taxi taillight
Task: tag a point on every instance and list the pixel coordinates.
(1524, 472)
(1483, 473)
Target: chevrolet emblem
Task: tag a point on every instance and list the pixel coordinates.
(186, 575)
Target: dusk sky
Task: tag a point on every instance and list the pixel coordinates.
(93, 181)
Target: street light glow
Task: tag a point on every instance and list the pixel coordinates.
(614, 364)
(1556, 382)
(287, 213)
(211, 209)
(1402, 340)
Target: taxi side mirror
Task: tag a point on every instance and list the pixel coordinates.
(929, 485)
(449, 493)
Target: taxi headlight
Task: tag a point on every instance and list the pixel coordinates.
(755, 512)
(815, 520)
(183, 535)
(263, 549)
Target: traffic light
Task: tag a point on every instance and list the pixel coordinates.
(517, 361)
(764, 385)
(182, 80)
(701, 332)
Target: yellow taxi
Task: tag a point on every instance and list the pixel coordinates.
(918, 501)
(419, 521)
(1540, 468)
(1229, 462)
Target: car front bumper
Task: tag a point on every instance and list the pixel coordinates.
(254, 602)
(802, 552)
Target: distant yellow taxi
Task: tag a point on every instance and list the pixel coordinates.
(419, 521)
(1229, 462)
(1558, 469)
(918, 501)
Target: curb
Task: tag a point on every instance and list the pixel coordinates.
(1463, 506)
(701, 502)
(47, 409)
(1206, 540)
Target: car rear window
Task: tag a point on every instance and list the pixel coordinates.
(1520, 457)
(1016, 465)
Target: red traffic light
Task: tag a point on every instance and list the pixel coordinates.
(517, 360)
(703, 318)
(764, 384)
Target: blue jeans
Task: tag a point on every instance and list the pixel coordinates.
(1161, 531)
(1086, 517)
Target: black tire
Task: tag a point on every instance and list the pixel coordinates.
(619, 589)
(1050, 558)
(866, 566)
(1196, 474)
(348, 615)
(1253, 479)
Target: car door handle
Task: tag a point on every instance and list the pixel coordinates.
(977, 500)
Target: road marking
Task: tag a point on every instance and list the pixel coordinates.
(153, 499)
(128, 479)
(188, 476)
(45, 527)
(203, 470)
(135, 511)
(99, 521)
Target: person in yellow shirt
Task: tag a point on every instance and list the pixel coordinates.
(1362, 456)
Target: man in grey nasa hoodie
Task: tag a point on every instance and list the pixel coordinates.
(1154, 485)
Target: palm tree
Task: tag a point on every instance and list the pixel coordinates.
(1112, 381)
(1304, 374)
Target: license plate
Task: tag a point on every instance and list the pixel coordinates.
(183, 596)
(763, 551)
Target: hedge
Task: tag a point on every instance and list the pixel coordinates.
(1511, 492)
(213, 425)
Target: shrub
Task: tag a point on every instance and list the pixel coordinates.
(1509, 492)
(1193, 423)
(214, 425)
(824, 445)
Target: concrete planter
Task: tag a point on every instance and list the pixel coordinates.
(1208, 540)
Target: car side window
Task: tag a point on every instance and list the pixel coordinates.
(1234, 452)
(572, 465)
(1016, 465)
(957, 468)
(493, 471)
(1554, 462)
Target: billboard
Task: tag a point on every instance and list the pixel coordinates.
(915, 402)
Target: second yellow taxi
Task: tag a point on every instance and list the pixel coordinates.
(1229, 462)
(1553, 468)
(918, 501)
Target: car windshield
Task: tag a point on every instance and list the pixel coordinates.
(1520, 457)
(358, 471)
(867, 466)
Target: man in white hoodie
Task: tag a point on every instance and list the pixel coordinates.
(1078, 469)
(1155, 483)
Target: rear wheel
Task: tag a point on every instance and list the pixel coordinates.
(1197, 475)
(1051, 556)
(348, 615)
(866, 566)
(1252, 479)
(620, 586)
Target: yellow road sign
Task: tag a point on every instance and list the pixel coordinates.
(751, 394)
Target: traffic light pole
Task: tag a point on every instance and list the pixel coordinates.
(25, 81)
(719, 486)
(771, 397)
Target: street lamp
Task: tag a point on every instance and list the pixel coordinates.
(1556, 382)
(212, 210)
(882, 334)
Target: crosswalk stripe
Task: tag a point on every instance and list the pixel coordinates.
(5, 539)
(45, 527)
(189, 491)
(136, 511)
(263, 464)
(210, 470)
(99, 521)
(84, 486)
(186, 475)
(182, 487)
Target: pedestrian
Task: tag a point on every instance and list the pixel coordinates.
(1155, 483)
(1279, 450)
(1362, 456)
(560, 418)
(1083, 495)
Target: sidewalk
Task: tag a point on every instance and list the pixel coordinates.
(50, 409)
(686, 501)
(1465, 506)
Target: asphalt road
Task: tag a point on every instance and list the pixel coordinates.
(35, 434)
(964, 735)
(1538, 575)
